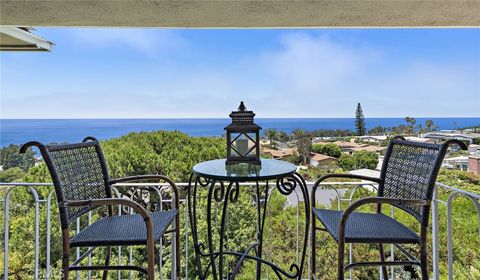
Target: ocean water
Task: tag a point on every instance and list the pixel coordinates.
(16, 131)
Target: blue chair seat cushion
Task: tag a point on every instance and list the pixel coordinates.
(366, 227)
(123, 230)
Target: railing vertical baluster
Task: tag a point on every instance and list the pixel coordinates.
(161, 243)
(187, 221)
(49, 205)
(78, 248)
(116, 194)
(392, 251)
(130, 254)
(449, 235)
(6, 234)
(37, 230)
(435, 237)
(350, 246)
(89, 255)
(298, 227)
(119, 273)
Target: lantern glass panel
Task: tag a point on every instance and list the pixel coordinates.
(243, 145)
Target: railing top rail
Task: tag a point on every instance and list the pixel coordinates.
(180, 184)
(26, 184)
(184, 184)
(470, 194)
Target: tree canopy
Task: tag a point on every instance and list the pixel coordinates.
(10, 157)
(329, 149)
(174, 154)
(359, 160)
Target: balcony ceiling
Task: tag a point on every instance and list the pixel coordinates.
(238, 14)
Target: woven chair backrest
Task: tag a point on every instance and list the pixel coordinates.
(409, 171)
(78, 172)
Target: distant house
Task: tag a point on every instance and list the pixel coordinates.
(351, 147)
(439, 136)
(373, 138)
(280, 154)
(474, 164)
(316, 160)
(377, 149)
(474, 149)
(460, 163)
(346, 147)
(420, 139)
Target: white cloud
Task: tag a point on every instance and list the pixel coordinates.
(305, 76)
(143, 40)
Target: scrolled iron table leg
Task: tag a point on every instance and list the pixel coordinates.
(226, 192)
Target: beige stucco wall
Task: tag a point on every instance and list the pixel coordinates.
(245, 13)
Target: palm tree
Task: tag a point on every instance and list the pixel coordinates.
(411, 122)
(271, 134)
(282, 136)
(429, 124)
(298, 133)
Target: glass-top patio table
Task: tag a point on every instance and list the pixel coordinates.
(222, 184)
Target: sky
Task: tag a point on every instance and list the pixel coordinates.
(199, 73)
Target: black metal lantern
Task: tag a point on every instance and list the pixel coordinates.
(243, 137)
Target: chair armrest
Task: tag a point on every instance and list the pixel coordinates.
(143, 177)
(376, 200)
(110, 201)
(352, 176)
(151, 176)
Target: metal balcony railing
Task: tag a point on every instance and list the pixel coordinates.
(340, 192)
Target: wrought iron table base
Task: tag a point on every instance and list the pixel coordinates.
(228, 192)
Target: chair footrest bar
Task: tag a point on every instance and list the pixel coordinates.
(390, 263)
(83, 256)
(405, 252)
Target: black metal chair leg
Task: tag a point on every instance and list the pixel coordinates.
(150, 258)
(341, 259)
(382, 259)
(65, 267)
(313, 247)
(177, 246)
(423, 262)
(65, 254)
(107, 262)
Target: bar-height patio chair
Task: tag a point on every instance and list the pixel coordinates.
(79, 174)
(407, 181)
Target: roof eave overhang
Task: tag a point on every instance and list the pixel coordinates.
(20, 39)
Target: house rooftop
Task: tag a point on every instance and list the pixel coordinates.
(419, 139)
(321, 157)
(459, 158)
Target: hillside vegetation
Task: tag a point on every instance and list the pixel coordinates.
(174, 154)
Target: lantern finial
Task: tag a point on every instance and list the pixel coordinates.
(242, 107)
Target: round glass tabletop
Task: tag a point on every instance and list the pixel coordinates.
(268, 169)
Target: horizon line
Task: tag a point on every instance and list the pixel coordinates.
(221, 118)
